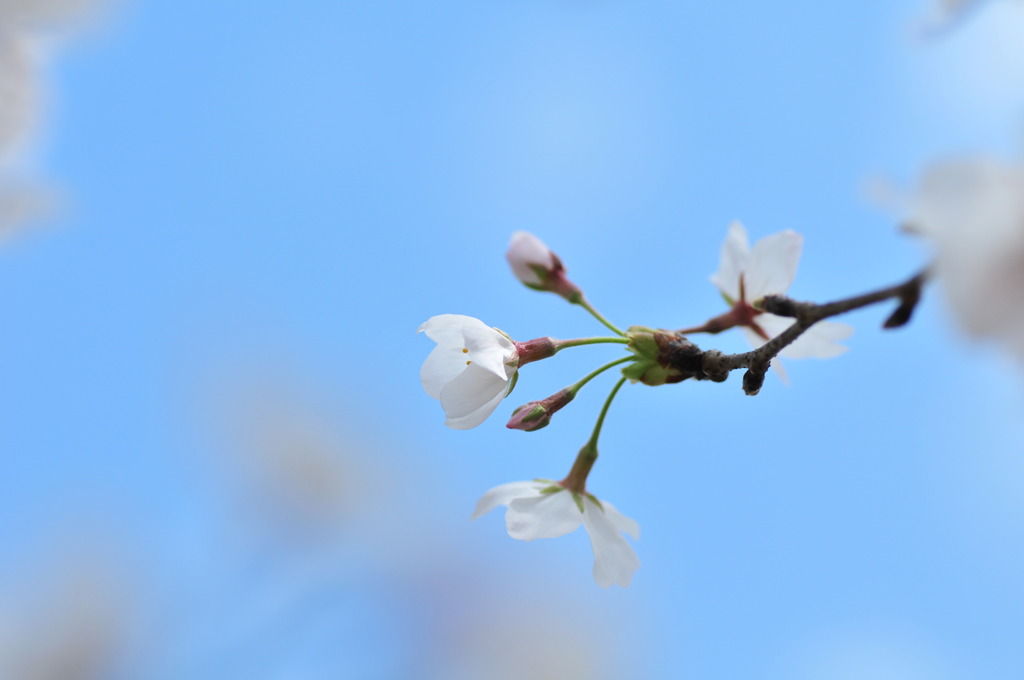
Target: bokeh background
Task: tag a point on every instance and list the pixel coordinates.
(218, 461)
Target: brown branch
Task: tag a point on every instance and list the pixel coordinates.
(716, 366)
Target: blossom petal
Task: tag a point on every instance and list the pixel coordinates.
(505, 494)
(449, 328)
(474, 418)
(41, 12)
(623, 524)
(461, 339)
(470, 390)
(773, 263)
(780, 370)
(442, 365)
(614, 558)
(818, 341)
(733, 261)
(489, 349)
(17, 90)
(752, 337)
(545, 516)
(973, 209)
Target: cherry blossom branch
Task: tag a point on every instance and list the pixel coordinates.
(806, 314)
(669, 357)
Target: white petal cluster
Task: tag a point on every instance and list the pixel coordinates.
(470, 370)
(745, 275)
(973, 211)
(543, 509)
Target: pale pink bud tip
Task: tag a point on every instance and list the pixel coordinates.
(537, 267)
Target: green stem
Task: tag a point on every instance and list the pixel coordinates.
(600, 419)
(578, 342)
(582, 302)
(576, 480)
(583, 381)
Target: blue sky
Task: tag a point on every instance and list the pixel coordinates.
(264, 203)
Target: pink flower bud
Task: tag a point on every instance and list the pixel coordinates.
(534, 415)
(537, 267)
(530, 416)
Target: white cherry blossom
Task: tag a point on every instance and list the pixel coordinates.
(745, 275)
(471, 369)
(973, 212)
(544, 509)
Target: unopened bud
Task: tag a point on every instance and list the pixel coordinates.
(752, 382)
(901, 315)
(537, 267)
(534, 415)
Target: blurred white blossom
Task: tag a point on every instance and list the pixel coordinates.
(26, 31)
(66, 629)
(470, 370)
(973, 212)
(17, 89)
(944, 14)
(544, 509)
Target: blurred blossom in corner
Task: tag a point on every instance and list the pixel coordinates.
(945, 14)
(972, 210)
(62, 625)
(28, 32)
